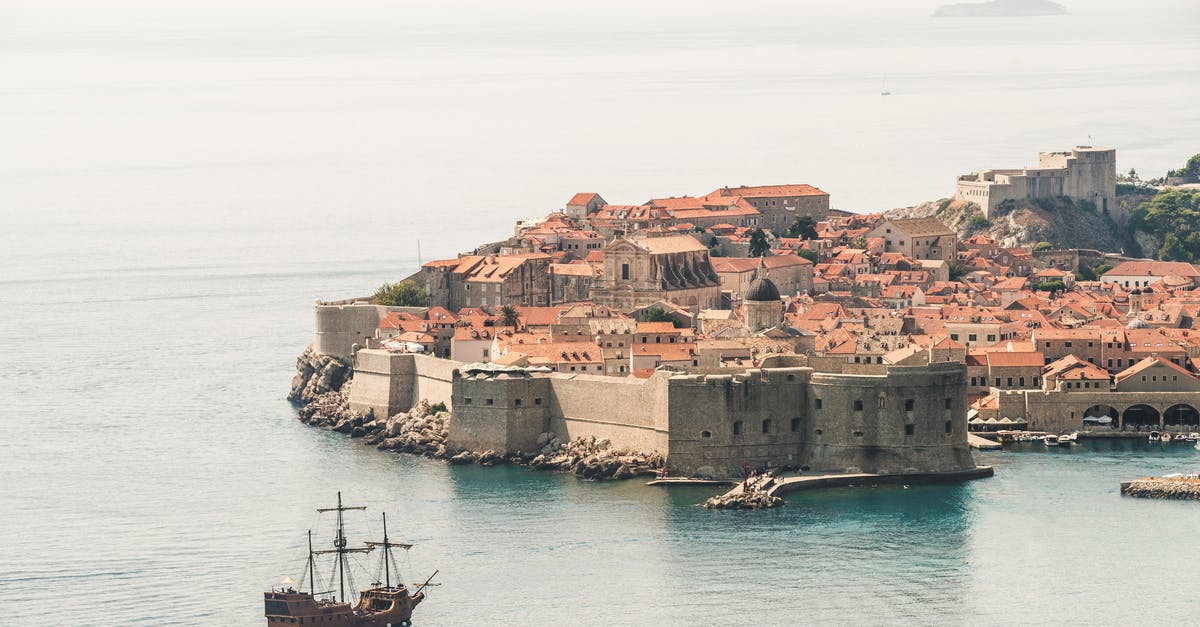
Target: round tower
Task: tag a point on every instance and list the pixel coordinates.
(763, 305)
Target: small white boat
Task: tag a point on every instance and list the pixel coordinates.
(1050, 440)
(1194, 437)
(1074, 435)
(1065, 440)
(1153, 436)
(1179, 437)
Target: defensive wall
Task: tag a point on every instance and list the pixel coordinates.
(387, 383)
(901, 419)
(911, 419)
(341, 324)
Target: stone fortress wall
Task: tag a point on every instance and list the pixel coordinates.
(341, 324)
(908, 419)
(1084, 173)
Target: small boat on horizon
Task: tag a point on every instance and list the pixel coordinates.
(1051, 440)
(381, 605)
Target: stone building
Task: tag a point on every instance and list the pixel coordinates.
(1085, 173)
(791, 274)
(780, 205)
(641, 271)
(917, 238)
(488, 281)
(763, 305)
(583, 205)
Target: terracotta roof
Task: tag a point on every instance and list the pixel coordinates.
(571, 269)
(582, 198)
(922, 227)
(1154, 268)
(1007, 359)
(1146, 363)
(669, 244)
(770, 191)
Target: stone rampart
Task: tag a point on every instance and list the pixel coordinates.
(341, 325)
(387, 383)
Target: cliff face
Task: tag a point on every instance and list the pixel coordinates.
(1060, 221)
(316, 375)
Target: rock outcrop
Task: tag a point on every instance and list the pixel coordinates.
(1184, 488)
(744, 500)
(317, 375)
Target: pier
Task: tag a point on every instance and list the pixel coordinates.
(775, 487)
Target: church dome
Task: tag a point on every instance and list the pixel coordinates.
(762, 290)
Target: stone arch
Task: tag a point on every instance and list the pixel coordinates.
(1181, 414)
(1093, 417)
(1141, 414)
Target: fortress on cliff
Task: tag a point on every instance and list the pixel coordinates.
(1085, 173)
(864, 418)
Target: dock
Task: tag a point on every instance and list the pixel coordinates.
(693, 481)
(982, 444)
(778, 486)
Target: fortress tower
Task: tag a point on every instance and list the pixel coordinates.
(1085, 173)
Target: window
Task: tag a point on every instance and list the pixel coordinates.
(791, 377)
(991, 338)
(908, 429)
(624, 272)
(737, 427)
(537, 401)
(1010, 382)
(949, 403)
(706, 434)
(858, 434)
(971, 337)
(954, 336)
(795, 425)
(997, 381)
(818, 432)
(949, 426)
(466, 401)
(517, 403)
(1036, 381)
(488, 402)
(858, 405)
(1067, 344)
(766, 426)
(882, 402)
(909, 403)
(817, 403)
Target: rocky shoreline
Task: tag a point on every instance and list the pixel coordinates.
(1180, 488)
(322, 385)
(744, 500)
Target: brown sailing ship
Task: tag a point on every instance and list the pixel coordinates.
(381, 605)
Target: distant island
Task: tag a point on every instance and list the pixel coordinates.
(1001, 8)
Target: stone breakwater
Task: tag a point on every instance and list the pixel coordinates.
(322, 388)
(1184, 488)
(743, 500)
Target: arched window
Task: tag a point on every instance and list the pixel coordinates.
(706, 434)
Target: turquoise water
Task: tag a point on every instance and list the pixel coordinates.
(178, 182)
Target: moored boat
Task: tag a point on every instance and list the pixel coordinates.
(381, 605)
(1065, 440)
(1154, 436)
(1050, 440)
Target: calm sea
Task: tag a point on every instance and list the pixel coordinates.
(179, 180)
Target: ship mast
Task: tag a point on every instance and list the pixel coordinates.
(339, 544)
(311, 577)
(387, 552)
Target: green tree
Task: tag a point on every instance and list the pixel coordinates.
(807, 254)
(759, 247)
(956, 270)
(509, 316)
(1172, 217)
(1049, 286)
(859, 242)
(1042, 246)
(803, 227)
(406, 293)
(657, 314)
(1190, 172)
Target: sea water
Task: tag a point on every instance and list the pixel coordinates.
(179, 181)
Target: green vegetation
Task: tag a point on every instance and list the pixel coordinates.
(657, 314)
(1040, 246)
(438, 408)
(803, 228)
(714, 247)
(1049, 286)
(943, 205)
(759, 247)
(956, 270)
(807, 254)
(406, 293)
(978, 223)
(1172, 217)
(509, 316)
(1190, 172)
(859, 242)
